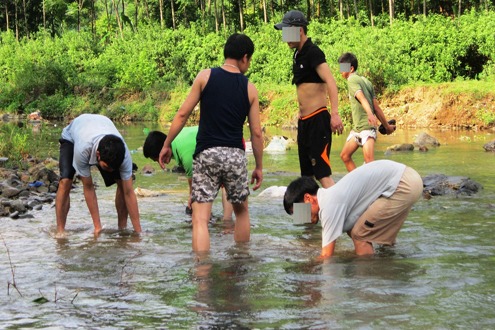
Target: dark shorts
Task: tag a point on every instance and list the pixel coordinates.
(314, 140)
(67, 171)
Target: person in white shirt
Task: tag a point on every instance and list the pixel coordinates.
(370, 204)
(94, 140)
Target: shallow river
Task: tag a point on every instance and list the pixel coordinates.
(440, 275)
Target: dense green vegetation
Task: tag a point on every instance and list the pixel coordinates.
(135, 59)
(148, 72)
(144, 74)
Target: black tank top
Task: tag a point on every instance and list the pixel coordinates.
(223, 110)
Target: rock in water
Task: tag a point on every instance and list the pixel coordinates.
(490, 146)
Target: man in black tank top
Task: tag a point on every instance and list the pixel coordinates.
(226, 99)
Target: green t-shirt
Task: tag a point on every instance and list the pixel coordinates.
(357, 83)
(183, 147)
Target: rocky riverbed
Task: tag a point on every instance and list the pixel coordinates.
(23, 191)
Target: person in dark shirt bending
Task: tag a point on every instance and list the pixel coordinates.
(314, 83)
(227, 98)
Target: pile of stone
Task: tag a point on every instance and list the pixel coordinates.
(24, 190)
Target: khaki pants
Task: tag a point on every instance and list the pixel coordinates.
(381, 222)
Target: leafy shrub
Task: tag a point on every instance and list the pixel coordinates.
(93, 73)
(33, 80)
(52, 106)
(486, 116)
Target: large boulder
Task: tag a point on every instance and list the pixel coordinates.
(273, 192)
(424, 139)
(440, 184)
(400, 147)
(43, 172)
(490, 146)
(46, 175)
(9, 192)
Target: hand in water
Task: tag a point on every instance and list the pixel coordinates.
(97, 231)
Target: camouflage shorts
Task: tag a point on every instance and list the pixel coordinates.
(219, 166)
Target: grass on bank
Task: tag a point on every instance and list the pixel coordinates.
(475, 88)
(20, 141)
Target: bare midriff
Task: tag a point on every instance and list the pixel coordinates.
(311, 97)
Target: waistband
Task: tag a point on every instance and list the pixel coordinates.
(314, 113)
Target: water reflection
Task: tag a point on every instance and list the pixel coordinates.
(221, 288)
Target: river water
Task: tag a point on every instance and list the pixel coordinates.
(439, 276)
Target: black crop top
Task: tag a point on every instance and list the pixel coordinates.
(305, 63)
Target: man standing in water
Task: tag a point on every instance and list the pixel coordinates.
(226, 98)
(94, 140)
(314, 82)
(365, 112)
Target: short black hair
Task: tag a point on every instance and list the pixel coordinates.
(349, 58)
(112, 151)
(297, 189)
(237, 46)
(153, 144)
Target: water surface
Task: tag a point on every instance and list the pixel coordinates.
(440, 274)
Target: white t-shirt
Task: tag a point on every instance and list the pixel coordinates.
(343, 203)
(85, 132)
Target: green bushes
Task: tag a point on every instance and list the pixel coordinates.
(283, 108)
(432, 49)
(74, 73)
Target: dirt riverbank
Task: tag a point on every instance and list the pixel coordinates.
(436, 106)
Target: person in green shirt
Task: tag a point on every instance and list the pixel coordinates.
(183, 148)
(365, 111)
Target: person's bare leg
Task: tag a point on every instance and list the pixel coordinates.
(363, 248)
(200, 234)
(369, 150)
(120, 206)
(62, 203)
(227, 206)
(242, 231)
(189, 200)
(346, 154)
(327, 182)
